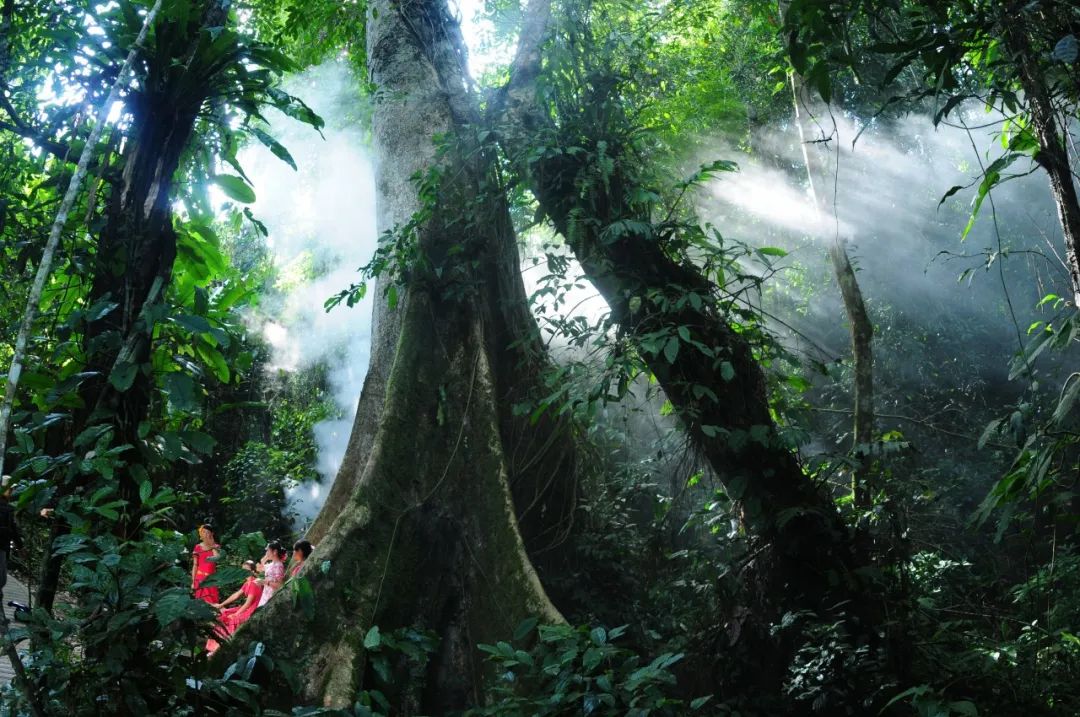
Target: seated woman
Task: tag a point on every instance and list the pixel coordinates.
(273, 569)
(301, 549)
(231, 618)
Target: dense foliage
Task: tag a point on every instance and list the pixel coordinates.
(151, 399)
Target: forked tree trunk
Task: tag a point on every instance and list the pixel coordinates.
(861, 328)
(430, 96)
(420, 528)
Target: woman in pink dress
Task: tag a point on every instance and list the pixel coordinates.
(273, 569)
(206, 554)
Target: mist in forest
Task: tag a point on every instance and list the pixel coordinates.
(882, 195)
(321, 221)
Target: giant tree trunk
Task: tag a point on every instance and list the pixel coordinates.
(862, 329)
(431, 97)
(430, 537)
(135, 255)
(420, 528)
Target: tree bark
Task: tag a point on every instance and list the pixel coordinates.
(421, 528)
(432, 97)
(862, 329)
(1052, 155)
(430, 538)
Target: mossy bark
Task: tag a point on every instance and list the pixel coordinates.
(430, 537)
(420, 528)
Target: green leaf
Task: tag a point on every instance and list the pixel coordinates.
(194, 324)
(215, 360)
(181, 391)
(176, 603)
(198, 441)
(303, 596)
(727, 371)
(671, 349)
(772, 251)
(373, 638)
(525, 628)
(965, 708)
(274, 146)
(952, 190)
(991, 178)
(123, 375)
(591, 659)
(989, 432)
(67, 544)
(226, 576)
(235, 188)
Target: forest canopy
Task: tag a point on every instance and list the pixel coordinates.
(416, 357)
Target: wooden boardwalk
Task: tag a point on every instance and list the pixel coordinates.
(14, 590)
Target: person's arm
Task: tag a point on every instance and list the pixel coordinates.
(232, 598)
(194, 567)
(247, 602)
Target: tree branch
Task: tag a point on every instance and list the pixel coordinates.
(24, 129)
(517, 95)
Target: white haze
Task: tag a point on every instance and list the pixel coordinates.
(322, 216)
(882, 196)
(885, 195)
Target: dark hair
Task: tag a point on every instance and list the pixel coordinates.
(277, 548)
(208, 525)
(249, 563)
(304, 547)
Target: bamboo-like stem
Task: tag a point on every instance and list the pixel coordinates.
(45, 266)
(862, 329)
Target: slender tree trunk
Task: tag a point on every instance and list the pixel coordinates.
(1052, 155)
(862, 329)
(67, 203)
(422, 528)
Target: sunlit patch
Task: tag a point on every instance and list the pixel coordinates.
(489, 46)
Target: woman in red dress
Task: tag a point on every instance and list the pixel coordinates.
(206, 553)
(231, 618)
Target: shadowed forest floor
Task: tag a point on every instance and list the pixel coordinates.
(14, 590)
